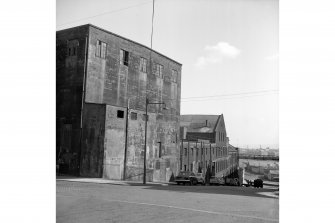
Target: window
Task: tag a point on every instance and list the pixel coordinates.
(100, 50)
(120, 114)
(185, 151)
(174, 76)
(143, 65)
(124, 57)
(145, 117)
(133, 116)
(72, 47)
(192, 151)
(159, 70)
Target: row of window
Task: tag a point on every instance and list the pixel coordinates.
(219, 151)
(101, 51)
(133, 115)
(124, 60)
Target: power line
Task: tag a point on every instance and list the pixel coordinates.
(235, 94)
(235, 97)
(105, 13)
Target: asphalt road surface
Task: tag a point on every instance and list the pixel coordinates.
(94, 203)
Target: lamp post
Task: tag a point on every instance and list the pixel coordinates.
(145, 135)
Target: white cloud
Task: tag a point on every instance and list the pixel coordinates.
(215, 54)
(272, 57)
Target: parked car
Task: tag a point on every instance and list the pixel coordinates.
(186, 177)
(232, 182)
(258, 183)
(200, 178)
(216, 181)
(247, 183)
(276, 179)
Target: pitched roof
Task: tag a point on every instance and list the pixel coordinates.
(197, 123)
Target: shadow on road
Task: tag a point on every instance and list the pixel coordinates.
(225, 190)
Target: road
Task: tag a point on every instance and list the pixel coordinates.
(93, 203)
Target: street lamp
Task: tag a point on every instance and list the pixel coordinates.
(145, 134)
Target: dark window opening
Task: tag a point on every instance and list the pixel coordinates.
(185, 152)
(120, 114)
(124, 57)
(133, 116)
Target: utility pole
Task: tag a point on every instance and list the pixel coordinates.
(146, 99)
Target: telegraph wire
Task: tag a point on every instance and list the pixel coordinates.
(105, 13)
(216, 99)
(235, 94)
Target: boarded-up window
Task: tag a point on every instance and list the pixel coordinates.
(143, 65)
(159, 70)
(174, 76)
(145, 117)
(133, 116)
(101, 49)
(72, 47)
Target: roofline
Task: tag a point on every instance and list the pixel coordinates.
(123, 38)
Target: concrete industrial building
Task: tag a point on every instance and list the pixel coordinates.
(205, 144)
(99, 75)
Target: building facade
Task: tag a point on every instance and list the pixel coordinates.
(205, 145)
(102, 84)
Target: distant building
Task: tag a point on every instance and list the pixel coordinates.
(271, 174)
(205, 145)
(98, 75)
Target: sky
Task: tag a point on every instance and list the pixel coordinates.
(228, 50)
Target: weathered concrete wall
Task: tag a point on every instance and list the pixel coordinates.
(69, 88)
(113, 83)
(158, 168)
(92, 152)
(114, 143)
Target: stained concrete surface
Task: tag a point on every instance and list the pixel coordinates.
(89, 202)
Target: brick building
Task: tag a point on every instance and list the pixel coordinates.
(98, 76)
(205, 144)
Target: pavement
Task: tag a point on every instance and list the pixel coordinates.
(101, 200)
(107, 181)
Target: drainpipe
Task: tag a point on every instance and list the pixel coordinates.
(188, 156)
(126, 144)
(83, 98)
(181, 155)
